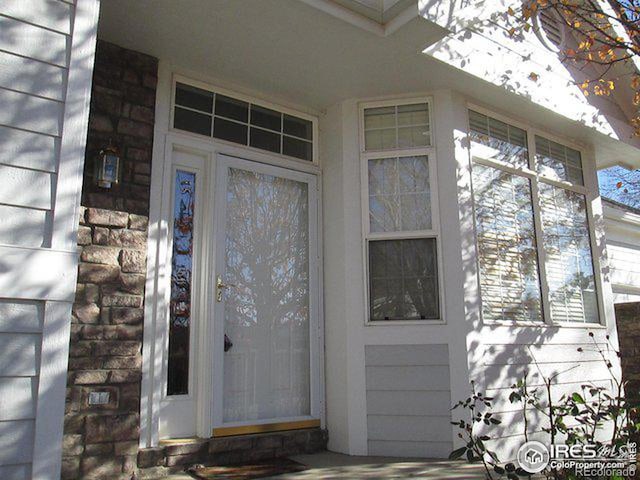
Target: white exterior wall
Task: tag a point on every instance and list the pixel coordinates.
(495, 356)
(354, 367)
(46, 62)
(623, 249)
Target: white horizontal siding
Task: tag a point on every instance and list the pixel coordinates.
(26, 188)
(24, 226)
(19, 354)
(504, 355)
(408, 427)
(624, 261)
(28, 149)
(31, 113)
(410, 377)
(16, 441)
(31, 76)
(21, 316)
(15, 472)
(32, 41)
(53, 15)
(408, 400)
(18, 398)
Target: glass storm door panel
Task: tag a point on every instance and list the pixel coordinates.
(263, 292)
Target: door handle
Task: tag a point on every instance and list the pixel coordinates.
(220, 285)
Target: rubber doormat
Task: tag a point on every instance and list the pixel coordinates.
(247, 471)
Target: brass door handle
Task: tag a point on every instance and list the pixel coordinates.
(220, 285)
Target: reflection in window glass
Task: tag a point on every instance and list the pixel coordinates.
(399, 194)
(402, 126)
(181, 284)
(567, 245)
(558, 162)
(403, 279)
(507, 253)
(234, 120)
(492, 139)
(193, 97)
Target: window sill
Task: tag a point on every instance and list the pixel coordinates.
(505, 323)
(391, 323)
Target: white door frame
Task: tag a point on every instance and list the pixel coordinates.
(153, 398)
(223, 163)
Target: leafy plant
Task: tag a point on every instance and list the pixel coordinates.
(579, 418)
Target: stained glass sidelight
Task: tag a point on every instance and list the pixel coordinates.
(181, 284)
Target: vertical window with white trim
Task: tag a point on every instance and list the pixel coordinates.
(179, 341)
(401, 218)
(532, 230)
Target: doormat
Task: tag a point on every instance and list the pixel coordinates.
(245, 472)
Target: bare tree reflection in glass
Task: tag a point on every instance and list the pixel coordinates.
(266, 372)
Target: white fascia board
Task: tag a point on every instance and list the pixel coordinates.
(614, 214)
(458, 15)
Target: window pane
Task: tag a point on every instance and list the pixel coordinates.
(232, 131)
(507, 255)
(265, 140)
(181, 269)
(193, 97)
(297, 127)
(399, 194)
(413, 137)
(403, 279)
(569, 263)
(266, 118)
(404, 126)
(192, 121)
(297, 148)
(232, 108)
(380, 139)
(417, 114)
(558, 162)
(380, 117)
(492, 139)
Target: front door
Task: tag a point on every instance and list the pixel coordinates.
(266, 298)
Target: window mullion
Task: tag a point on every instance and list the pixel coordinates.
(537, 220)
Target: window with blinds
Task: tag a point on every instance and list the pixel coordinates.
(569, 265)
(507, 253)
(510, 194)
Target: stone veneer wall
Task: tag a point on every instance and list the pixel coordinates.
(106, 326)
(628, 322)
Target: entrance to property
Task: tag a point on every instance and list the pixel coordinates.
(265, 297)
(242, 349)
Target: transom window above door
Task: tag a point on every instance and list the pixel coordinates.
(213, 114)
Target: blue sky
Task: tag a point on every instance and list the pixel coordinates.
(629, 190)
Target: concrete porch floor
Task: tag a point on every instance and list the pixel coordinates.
(328, 465)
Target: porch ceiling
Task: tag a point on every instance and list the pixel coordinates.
(293, 53)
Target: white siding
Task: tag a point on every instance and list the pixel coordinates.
(408, 400)
(624, 260)
(39, 59)
(506, 355)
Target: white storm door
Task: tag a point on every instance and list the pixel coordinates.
(265, 282)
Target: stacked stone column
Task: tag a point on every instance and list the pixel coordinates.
(101, 441)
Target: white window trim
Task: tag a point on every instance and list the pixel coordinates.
(166, 139)
(211, 87)
(535, 178)
(366, 155)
